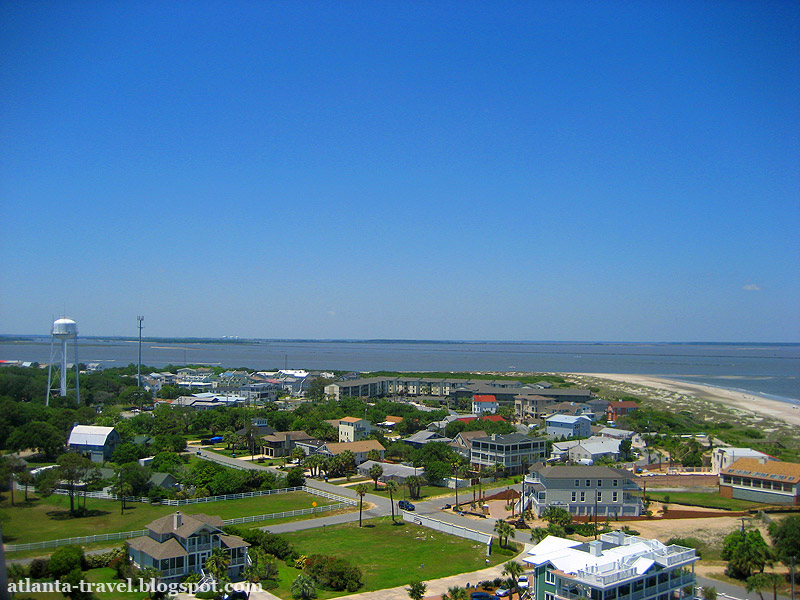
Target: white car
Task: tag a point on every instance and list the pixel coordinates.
(502, 592)
(522, 582)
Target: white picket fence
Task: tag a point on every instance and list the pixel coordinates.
(342, 502)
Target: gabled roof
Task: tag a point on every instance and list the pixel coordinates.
(89, 435)
(623, 404)
(486, 418)
(189, 524)
(171, 548)
(581, 471)
(568, 419)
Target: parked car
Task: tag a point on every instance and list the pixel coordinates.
(447, 507)
(482, 596)
(523, 582)
(502, 592)
(405, 505)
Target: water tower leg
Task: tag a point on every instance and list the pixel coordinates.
(64, 367)
(77, 374)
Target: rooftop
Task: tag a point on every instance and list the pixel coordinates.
(774, 470)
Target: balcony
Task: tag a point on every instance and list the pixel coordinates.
(677, 583)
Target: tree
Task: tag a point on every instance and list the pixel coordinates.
(298, 454)
(504, 530)
(764, 581)
(13, 467)
(746, 553)
(303, 587)
(709, 593)
(557, 516)
(361, 490)
(513, 570)
(456, 593)
(25, 478)
(374, 455)
(217, 564)
(296, 477)
(625, 449)
(416, 590)
(786, 538)
(459, 470)
(391, 487)
(375, 472)
(73, 470)
(65, 559)
(414, 484)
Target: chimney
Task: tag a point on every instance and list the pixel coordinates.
(596, 548)
(762, 460)
(177, 519)
(494, 437)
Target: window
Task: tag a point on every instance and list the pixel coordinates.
(577, 483)
(615, 482)
(599, 496)
(588, 483)
(583, 496)
(574, 496)
(599, 483)
(548, 596)
(549, 577)
(614, 496)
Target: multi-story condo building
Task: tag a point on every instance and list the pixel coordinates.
(615, 567)
(582, 490)
(568, 426)
(761, 480)
(180, 544)
(515, 452)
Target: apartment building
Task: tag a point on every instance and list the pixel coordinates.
(513, 451)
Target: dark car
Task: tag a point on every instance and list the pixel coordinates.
(405, 505)
(482, 596)
(235, 595)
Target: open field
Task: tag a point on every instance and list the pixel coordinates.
(49, 518)
(389, 555)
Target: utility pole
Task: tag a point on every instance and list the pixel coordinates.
(139, 368)
(791, 574)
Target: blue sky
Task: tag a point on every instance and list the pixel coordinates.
(440, 170)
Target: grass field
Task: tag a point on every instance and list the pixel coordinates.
(49, 519)
(432, 491)
(388, 555)
(703, 499)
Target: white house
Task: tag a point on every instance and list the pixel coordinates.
(484, 403)
(722, 458)
(98, 443)
(568, 426)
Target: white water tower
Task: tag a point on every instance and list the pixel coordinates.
(64, 329)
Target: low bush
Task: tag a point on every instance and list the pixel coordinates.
(40, 568)
(334, 573)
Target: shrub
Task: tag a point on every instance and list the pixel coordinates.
(65, 560)
(334, 573)
(40, 568)
(688, 542)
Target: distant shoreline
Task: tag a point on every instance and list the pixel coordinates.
(787, 411)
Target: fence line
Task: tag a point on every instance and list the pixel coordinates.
(444, 527)
(122, 535)
(343, 502)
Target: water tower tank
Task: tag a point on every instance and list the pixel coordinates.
(65, 328)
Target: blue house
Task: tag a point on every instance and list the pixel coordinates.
(568, 426)
(98, 443)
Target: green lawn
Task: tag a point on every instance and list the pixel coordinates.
(432, 491)
(704, 499)
(49, 519)
(388, 555)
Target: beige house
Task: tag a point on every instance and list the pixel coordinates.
(359, 449)
(353, 429)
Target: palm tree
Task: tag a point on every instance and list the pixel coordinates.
(361, 490)
(513, 570)
(504, 530)
(762, 581)
(459, 470)
(217, 563)
(456, 593)
(303, 587)
(416, 590)
(391, 487)
(375, 472)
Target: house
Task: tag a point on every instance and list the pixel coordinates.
(620, 408)
(493, 418)
(618, 566)
(567, 426)
(513, 451)
(353, 429)
(98, 443)
(281, 443)
(722, 458)
(359, 449)
(398, 473)
(570, 408)
(761, 480)
(165, 481)
(619, 434)
(423, 437)
(391, 421)
(591, 450)
(582, 490)
(461, 443)
(484, 403)
(179, 544)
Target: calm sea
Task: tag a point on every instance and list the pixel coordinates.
(772, 370)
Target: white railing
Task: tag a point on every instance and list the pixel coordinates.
(457, 530)
(343, 502)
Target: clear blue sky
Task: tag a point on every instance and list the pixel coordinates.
(441, 170)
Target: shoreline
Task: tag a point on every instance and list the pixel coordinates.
(788, 412)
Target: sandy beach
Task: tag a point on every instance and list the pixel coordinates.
(740, 401)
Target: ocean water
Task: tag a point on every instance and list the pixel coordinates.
(771, 370)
